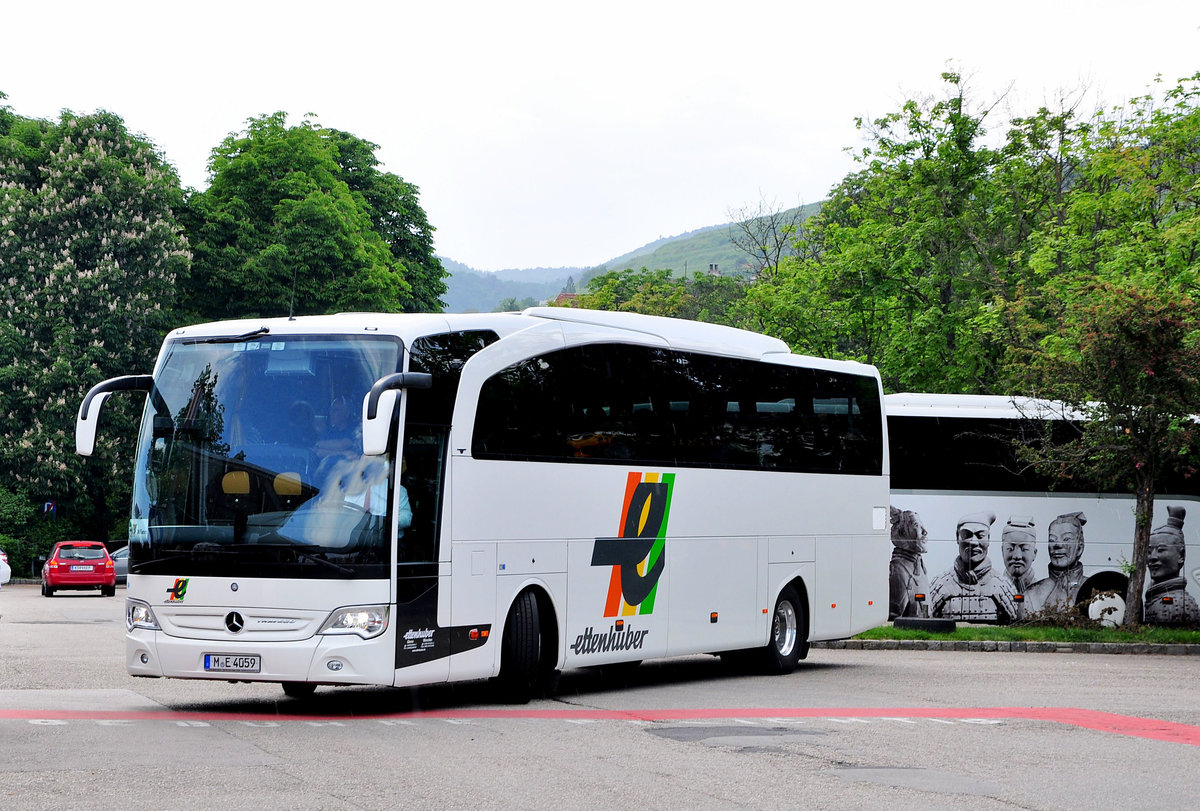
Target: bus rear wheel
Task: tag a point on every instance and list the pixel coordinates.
(521, 650)
(788, 628)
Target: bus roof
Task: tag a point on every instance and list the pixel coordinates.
(972, 406)
(675, 332)
(406, 326)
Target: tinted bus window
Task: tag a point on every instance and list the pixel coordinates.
(443, 357)
(621, 403)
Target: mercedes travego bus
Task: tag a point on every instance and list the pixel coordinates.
(411, 499)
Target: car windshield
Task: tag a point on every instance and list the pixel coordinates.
(250, 460)
(80, 553)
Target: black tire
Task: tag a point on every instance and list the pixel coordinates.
(521, 651)
(788, 641)
(108, 591)
(298, 689)
(47, 591)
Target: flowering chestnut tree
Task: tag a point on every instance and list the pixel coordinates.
(89, 256)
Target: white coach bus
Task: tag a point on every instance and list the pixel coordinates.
(973, 527)
(411, 499)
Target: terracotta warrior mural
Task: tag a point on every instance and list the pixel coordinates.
(1167, 601)
(908, 576)
(975, 586)
(972, 589)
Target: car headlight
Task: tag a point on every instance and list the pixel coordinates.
(139, 615)
(365, 620)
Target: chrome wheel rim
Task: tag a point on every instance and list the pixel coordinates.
(784, 628)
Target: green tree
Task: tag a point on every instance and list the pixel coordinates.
(396, 214)
(1110, 318)
(91, 253)
(1125, 360)
(299, 220)
(512, 304)
(699, 297)
(651, 292)
(904, 265)
(16, 516)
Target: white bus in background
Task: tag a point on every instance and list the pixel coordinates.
(957, 486)
(411, 499)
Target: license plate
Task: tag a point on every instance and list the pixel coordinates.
(231, 663)
(81, 568)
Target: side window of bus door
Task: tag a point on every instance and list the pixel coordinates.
(421, 476)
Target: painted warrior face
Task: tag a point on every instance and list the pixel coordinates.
(1066, 544)
(1018, 557)
(1166, 558)
(973, 541)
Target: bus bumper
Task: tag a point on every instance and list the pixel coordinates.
(329, 659)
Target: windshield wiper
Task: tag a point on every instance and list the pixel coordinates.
(237, 339)
(314, 559)
(301, 555)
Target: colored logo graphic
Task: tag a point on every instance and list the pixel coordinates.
(638, 555)
(178, 591)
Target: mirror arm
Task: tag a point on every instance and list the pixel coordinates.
(400, 380)
(126, 383)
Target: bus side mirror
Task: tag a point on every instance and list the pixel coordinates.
(379, 408)
(89, 410)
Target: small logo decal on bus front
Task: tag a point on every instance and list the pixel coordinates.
(178, 591)
(638, 555)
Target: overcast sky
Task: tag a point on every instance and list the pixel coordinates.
(559, 133)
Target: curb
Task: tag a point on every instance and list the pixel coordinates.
(992, 646)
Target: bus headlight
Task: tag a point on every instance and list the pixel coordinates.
(139, 615)
(365, 620)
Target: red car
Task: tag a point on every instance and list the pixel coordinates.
(79, 565)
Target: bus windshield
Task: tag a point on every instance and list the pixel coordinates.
(250, 461)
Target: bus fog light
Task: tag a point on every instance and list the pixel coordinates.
(334, 664)
(145, 658)
(366, 621)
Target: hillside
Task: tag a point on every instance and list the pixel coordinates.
(476, 291)
(471, 290)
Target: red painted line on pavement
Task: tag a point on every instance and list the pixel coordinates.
(1131, 726)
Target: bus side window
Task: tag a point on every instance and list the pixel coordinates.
(421, 478)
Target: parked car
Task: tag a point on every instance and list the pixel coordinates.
(5, 569)
(121, 563)
(79, 565)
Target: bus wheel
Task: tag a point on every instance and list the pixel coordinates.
(787, 642)
(298, 689)
(521, 650)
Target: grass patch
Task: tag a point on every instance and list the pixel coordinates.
(1026, 633)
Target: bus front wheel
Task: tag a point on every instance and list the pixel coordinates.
(521, 650)
(298, 689)
(788, 634)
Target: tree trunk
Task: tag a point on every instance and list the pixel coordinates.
(1143, 516)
